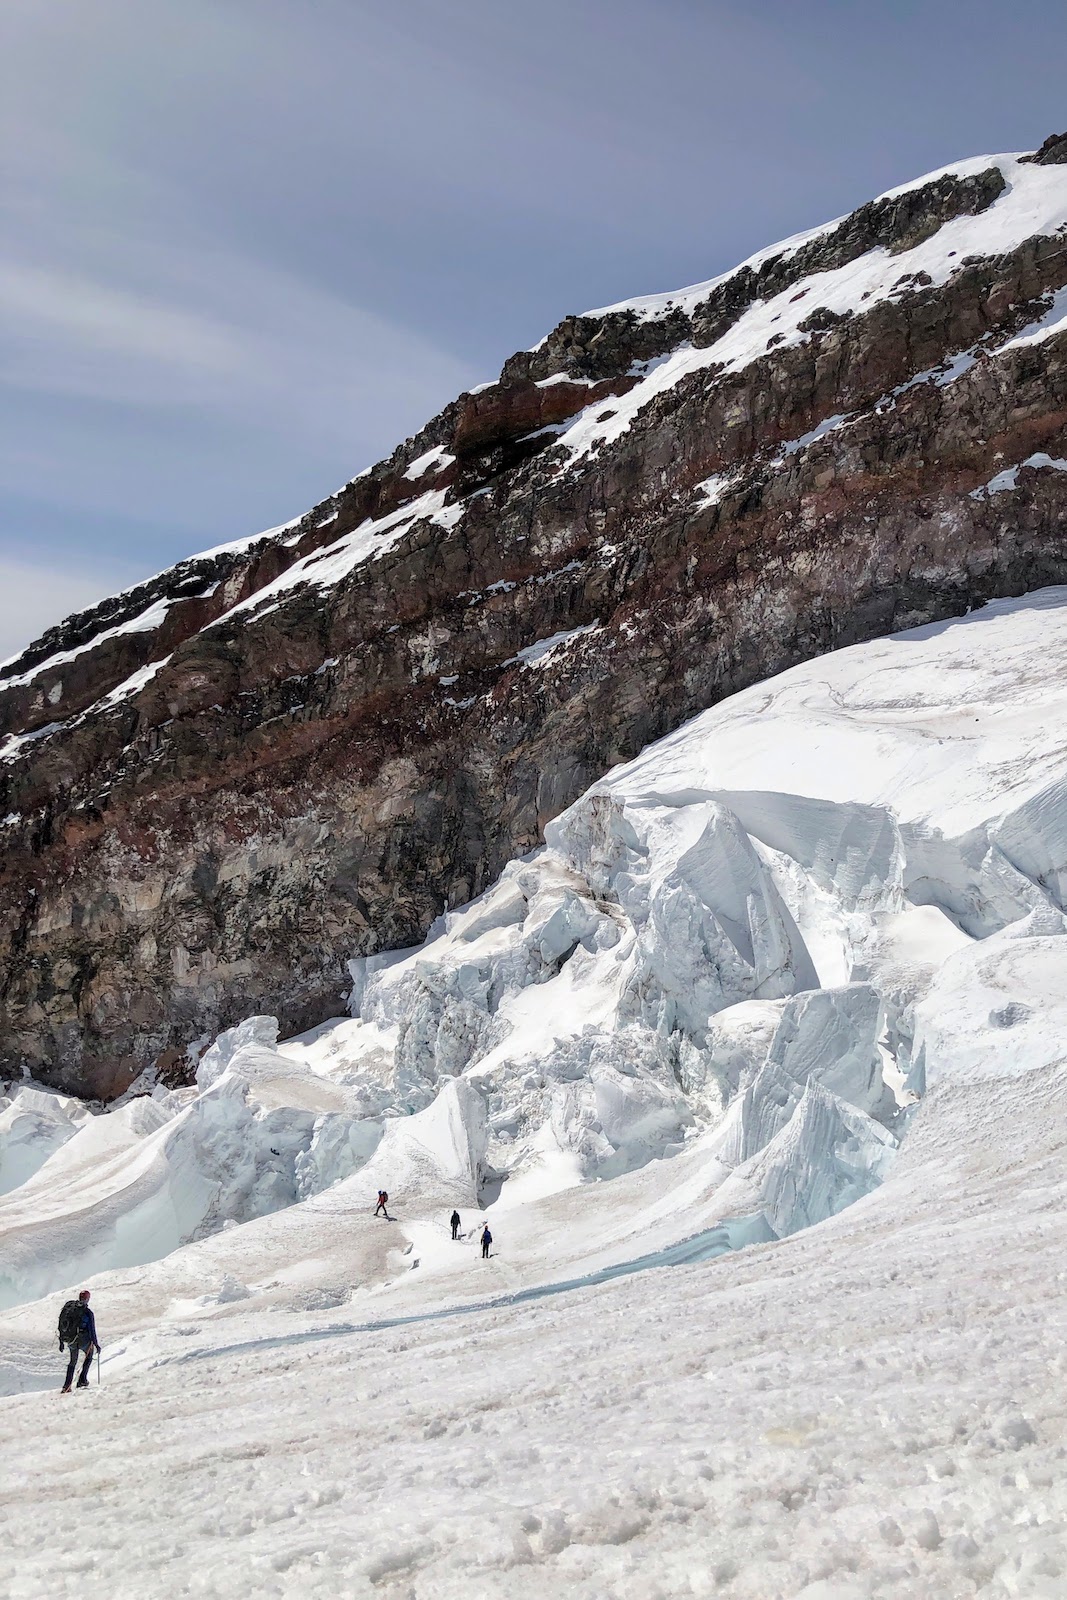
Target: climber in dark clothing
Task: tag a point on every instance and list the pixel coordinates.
(382, 1208)
(455, 1224)
(487, 1239)
(84, 1340)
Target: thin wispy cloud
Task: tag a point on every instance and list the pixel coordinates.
(223, 332)
(246, 248)
(57, 313)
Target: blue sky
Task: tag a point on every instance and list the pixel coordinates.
(248, 245)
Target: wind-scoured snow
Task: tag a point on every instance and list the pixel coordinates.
(129, 686)
(436, 458)
(651, 306)
(325, 567)
(144, 622)
(153, 615)
(1008, 478)
(240, 546)
(1034, 203)
(1051, 322)
(12, 746)
(538, 653)
(786, 991)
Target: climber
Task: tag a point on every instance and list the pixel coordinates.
(382, 1207)
(455, 1224)
(487, 1239)
(77, 1330)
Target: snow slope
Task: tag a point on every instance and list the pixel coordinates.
(802, 962)
(873, 1410)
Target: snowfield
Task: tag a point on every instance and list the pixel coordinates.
(756, 1072)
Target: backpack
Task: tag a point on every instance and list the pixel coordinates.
(70, 1323)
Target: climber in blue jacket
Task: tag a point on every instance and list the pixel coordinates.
(79, 1335)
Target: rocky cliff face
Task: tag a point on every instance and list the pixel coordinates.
(221, 784)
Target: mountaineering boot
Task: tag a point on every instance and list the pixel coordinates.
(83, 1383)
(65, 1389)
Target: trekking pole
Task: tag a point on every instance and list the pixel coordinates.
(98, 1366)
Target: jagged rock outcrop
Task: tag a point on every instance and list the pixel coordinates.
(221, 784)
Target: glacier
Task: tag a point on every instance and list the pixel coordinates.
(746, 953)
(786, 990)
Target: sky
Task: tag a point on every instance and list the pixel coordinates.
(247, 246)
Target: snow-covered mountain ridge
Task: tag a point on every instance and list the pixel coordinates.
(317, 737)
